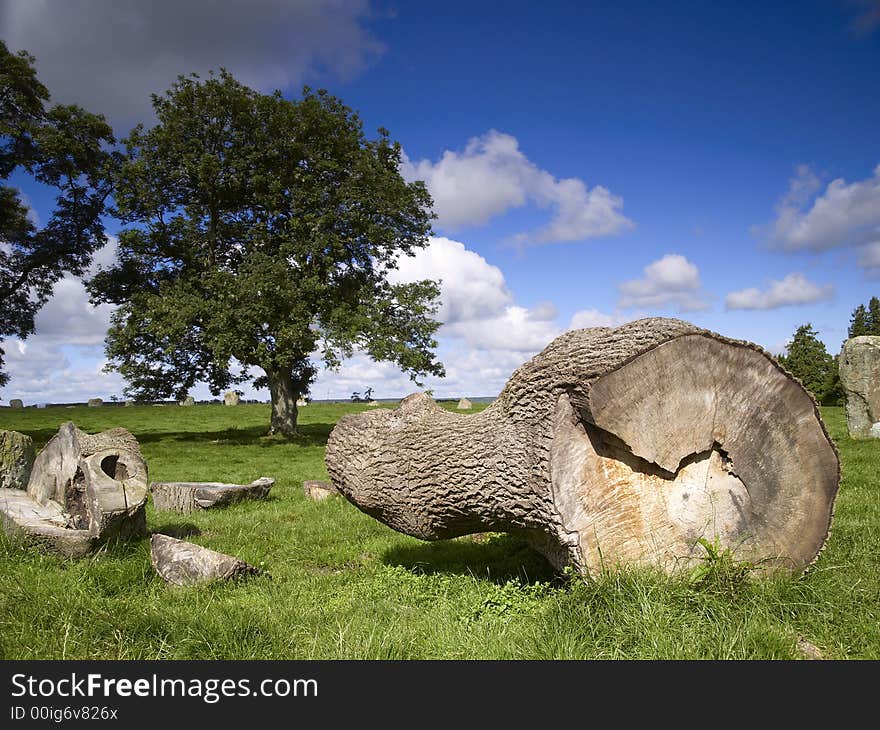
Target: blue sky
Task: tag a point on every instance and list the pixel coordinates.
(591, 163)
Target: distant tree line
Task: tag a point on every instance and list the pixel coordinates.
(809, 361)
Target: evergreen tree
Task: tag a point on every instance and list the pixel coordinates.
(858, 324)
(809, 361)
(874, 316)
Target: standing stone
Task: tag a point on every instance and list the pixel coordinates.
(464, 404)
(16, 459)
(16, 403)
(184, 563)
(95, 402)
(231, 398)
(301, 402)
(188, 401)
(860, 377)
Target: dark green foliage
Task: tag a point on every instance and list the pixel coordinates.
(261, 230)
(808, 360)
(865, 320)
(62, 147)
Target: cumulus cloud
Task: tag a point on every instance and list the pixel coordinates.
(492, 176)
(137, 48)
(869, 259)
(669, 281)
(794, 289)
(475, 304)
(843, 214)
(594, 318)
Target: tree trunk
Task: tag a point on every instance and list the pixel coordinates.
(186, 497)
(612, 446)
(284, 394)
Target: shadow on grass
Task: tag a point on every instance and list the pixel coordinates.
(310, 434)
(180, 531)
(498, 559)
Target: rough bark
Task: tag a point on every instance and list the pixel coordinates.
(284, 397)
(860, 376)
(186, 497)
(83, 489)
(185, 564)
(612, 446)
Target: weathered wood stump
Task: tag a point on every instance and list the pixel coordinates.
(318, 490)
(611, 447)
(83, 489)
(186, 497)
(184, 563)
(860, 376)
(16, 459)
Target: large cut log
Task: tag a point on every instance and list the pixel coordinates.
(185, 564)
(83, 489)
(611, 447)
(186, 497)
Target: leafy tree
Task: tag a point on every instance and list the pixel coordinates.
(808, 360)
(261, 230)
(62, 147)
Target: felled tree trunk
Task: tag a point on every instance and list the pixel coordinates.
(185, 564)
(186, 497)
(83, 489)
(610, 447)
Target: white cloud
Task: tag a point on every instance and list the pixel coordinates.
(794, 289)
(475, 304)
(472, 288)
(869, 259)
(492, 176)
(843, 214)
(594, 318)
(137, 48)
(671, 280)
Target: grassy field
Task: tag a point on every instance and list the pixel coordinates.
(343, 585)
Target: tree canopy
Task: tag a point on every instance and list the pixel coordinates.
(809, 361)
(865, 320)
(262, 230)
(64, 148)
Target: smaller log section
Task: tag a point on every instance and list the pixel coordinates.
(187, 497)
(184, 563)
(613, 446)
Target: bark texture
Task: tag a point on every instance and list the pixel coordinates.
(83, 489)
(284, 398)
(185, 564)
(612, 446)
(186, 497)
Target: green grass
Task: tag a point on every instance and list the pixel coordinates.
(343, 585)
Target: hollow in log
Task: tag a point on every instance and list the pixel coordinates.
(83, 489)
(613, 446)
